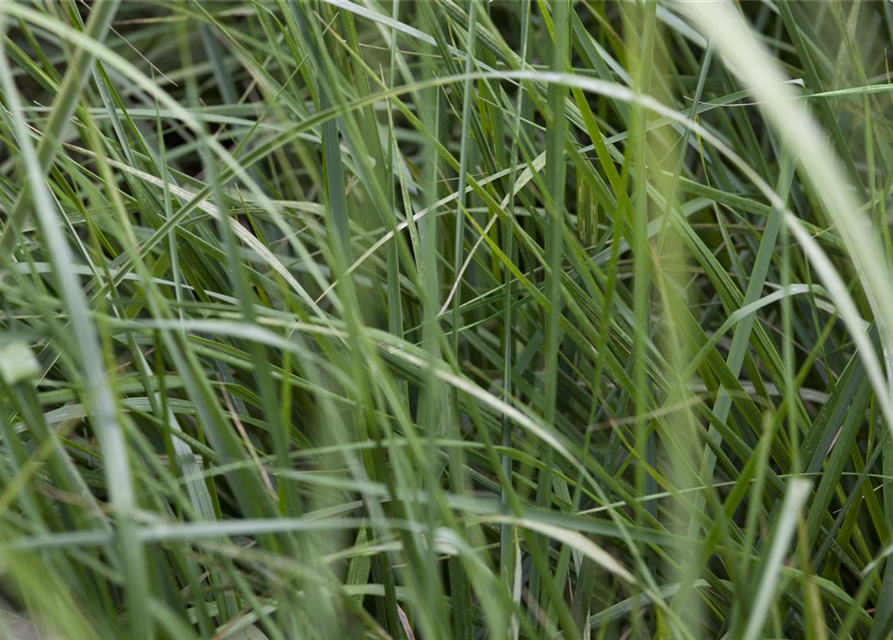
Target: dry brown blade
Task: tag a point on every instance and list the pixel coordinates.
(405, 622)
(242, 432)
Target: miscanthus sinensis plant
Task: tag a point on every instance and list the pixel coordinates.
(424, 319)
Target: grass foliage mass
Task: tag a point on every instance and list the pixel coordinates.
(446, 319)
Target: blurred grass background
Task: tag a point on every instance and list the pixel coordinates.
(423, 319)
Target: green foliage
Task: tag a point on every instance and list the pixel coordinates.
(445, 319)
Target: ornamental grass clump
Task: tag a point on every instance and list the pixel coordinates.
(445, 319)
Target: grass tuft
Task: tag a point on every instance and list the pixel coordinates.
(409, 319)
